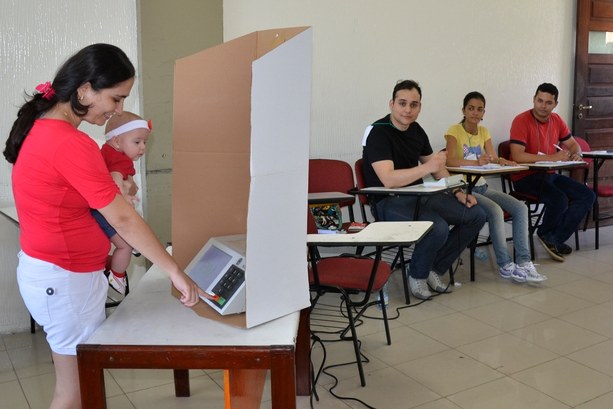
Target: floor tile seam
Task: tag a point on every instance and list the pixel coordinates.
(516, 380)
(501, 376)
(568, 356)
(553, 397)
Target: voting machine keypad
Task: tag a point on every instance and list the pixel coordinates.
(228, 284)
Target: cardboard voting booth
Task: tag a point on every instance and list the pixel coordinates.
(240, 163)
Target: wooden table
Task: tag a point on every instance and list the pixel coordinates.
(598, 159)
(151, 329)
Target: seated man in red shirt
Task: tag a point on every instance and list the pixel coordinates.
(539, 134)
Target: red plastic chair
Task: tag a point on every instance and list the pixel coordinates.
(583, 175)
(331, 175)
(356, 278)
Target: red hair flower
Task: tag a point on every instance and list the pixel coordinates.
(46, 89)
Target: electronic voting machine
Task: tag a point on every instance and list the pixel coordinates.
(219, 269)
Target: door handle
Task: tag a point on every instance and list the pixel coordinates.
(582, 107)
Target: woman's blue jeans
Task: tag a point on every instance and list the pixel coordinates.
(495, 203)
(441, 246)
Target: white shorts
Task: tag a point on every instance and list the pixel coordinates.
(69, 306)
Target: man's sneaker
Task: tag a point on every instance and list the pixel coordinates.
(419, 288)
(118, 283)
(532, 276)
(564, 249)
(551, 248)
(435, 283)
(513, 272)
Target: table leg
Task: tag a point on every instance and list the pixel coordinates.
(596, 208)
(91, 377)
(303, 362)
(283, 378)
(181, 382)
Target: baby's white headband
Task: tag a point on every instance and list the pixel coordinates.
(127, 127)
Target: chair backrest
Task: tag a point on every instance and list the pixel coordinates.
(331, 175)
(581, 174)
(504, 151)
(361, 183)
(311, 226)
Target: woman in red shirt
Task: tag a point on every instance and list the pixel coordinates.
(58, 175)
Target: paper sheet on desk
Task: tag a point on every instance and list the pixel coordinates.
(559, 162)
(603, 152)
(444, 182)
(488, 166)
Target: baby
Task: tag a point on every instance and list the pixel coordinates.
(126, 137)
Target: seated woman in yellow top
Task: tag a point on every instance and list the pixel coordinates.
(469, 143)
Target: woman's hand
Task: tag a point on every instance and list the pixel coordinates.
(190, 292)
(484, 160)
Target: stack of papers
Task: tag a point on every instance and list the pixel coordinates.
(559, 162)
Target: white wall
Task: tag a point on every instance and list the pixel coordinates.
(451, 47)
(35, 38)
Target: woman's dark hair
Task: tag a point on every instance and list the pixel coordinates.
(472, 95)
(102, 65)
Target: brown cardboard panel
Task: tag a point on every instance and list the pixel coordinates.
(212, 98)
(213, 203)
(212, 145)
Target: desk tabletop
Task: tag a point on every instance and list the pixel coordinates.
(377, 233)
(547, 165)
(605, 154)
(420, 189)
(329, 197)
(486, 169)
(150, 315)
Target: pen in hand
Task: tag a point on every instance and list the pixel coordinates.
(558, 147)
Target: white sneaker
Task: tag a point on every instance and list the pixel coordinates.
(435, 283)
(118, 284)
(419, 288)
(513, 272)
(532, 276)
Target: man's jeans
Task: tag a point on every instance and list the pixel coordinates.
(566, 203)
(440, 247)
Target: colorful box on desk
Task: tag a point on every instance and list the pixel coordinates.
(240, 163)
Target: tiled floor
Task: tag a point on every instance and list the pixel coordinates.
(489, 345)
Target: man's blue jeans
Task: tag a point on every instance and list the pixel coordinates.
(440, 247)
(566, 203)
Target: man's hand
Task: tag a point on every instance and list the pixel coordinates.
(466, 199)
(437, 162)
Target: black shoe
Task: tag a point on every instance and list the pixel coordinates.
(564, 249)
(551, 249)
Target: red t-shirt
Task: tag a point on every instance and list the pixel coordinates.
(59, 175)
(537, 136)
(117, 161)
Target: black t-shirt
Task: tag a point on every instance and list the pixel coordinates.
(386, 142)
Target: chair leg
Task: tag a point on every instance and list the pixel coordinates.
(354, 337)
(577, 239)
(384, 312)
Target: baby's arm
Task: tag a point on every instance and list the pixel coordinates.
(125, 187)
